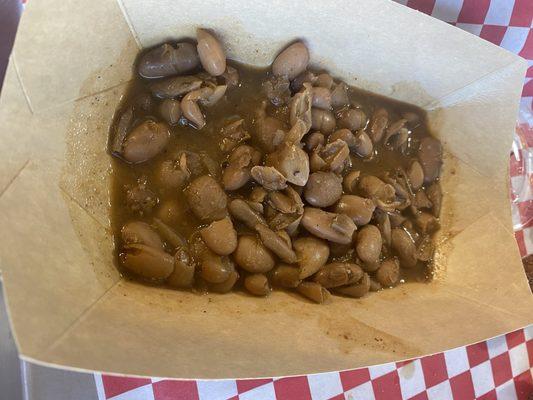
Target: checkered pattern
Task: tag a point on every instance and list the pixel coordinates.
(500, 368)
(508, 24)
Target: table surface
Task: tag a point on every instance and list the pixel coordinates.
(499, 368)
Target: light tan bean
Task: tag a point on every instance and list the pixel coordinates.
(183, 274)
(338, 274)
(337, 228)
(227, 285)
(368, 246)
(215, 268)
(276, 244)
(286, 276)
(359, 209)
(138, 232)
(241, 211)
(321, 98)
(292, 162)
(170, 111)
(211, 53)
(358, 290)
(167, 60)
(322, 120)
(352, 119)
(404, 246)
(220, 236)
(146, 261)
(292, 61)
(323, 189)
(389, 272)
(206, 198)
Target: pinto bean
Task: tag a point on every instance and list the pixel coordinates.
(415, 174)
(374, 188)
(388, 273)
(183, 274)
(215, 268)
(211, 53)
(324, 81)
(171, 212)
(252, 256)
(138, 232)
(338, 274)
(220, 236)
(323, 189)
(336, 155)
(363, 146)
(434, 193)
(426, 223)
(286, 276)
(292, 162)
(173, 174)
(227, 285)
(241, 161)
(322, 120)
(314, 291)
(430, 156)
(368, 246)
(339, 95)
(378, 124)
(305, 77)
(321, 98)
(257, 284)
(146, 261)
(176, 86)
(358, 290)
(352, 119)
(384, 225)
(169, 234)
(170, 111)
(145, 141)
(300, 107)
(292, 61)
(359, 209)
(337, 228)
(242, 211)
(343, 134)
(276, 244)
(312, 254)
(167, 60)
(206, 198)
(350, 181)
(404, 246)
(269, 177)
(313, 141)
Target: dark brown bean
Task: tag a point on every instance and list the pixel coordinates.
(430, 156)
(257, 284)
(220, 236)
(375, 286)
(147, 261)
(166, 60)
(206, 199)
(389, 272)
(145, 141)
(426, 223)
(338, 274)
(368, 246)
(404, 246)
(292, 61)
(352, 119)
(138, 232)
(314, 292)
(211, 53)
(359, 209)
(286, 276)
(323, 189)
(252, 256)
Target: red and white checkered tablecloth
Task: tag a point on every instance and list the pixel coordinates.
(499, 368)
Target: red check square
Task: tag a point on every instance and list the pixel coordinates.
(293, 388)
(462, 386)
(515, 338)
(387, 387)
(434, 368)
(171, 390)
(477, 353)
(501, 368)
(356, 377)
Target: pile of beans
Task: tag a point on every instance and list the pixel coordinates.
(313, 191)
